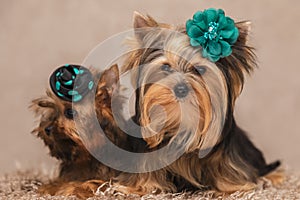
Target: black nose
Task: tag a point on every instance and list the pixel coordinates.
(48, 130)
(181, 90)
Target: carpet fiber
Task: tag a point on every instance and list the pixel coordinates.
(23, 185)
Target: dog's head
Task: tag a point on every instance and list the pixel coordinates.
(181, 95)
(64, 124)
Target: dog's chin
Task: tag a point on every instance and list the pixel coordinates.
(64, 144)
(166, 118)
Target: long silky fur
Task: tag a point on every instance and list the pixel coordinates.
(234, 163)
(80, 173)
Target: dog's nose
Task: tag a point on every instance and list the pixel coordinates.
(181, 90)
(48, 130)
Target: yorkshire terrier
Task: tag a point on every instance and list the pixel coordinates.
(80, 173)
(187, 80)
(185, 96)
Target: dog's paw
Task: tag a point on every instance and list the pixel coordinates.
(82, 190)
(277, 177)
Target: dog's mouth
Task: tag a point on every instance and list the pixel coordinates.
(65, 149)
(62, 144)
(177, 113)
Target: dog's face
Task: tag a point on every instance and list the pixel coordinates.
(62, 123)
(181, 95)
(57, 128)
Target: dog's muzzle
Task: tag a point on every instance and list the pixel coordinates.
(181, 90)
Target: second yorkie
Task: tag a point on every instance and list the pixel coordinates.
(80, 173)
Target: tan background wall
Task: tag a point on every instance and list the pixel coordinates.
(36, 36)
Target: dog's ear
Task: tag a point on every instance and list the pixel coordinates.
(110, 77)
(244, 31)
(142, 24)
(41, 105)
(108, 83)
(141, 21)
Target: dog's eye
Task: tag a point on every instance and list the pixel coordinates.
(200, 70)
(70, 113)
(166, 68)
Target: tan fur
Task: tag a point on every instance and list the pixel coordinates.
(163, 116)
(80, 173)
(277, 177)
(208, 155)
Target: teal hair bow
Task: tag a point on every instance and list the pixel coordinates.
(214, 32)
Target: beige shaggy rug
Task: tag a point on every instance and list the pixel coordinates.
(23, 186)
